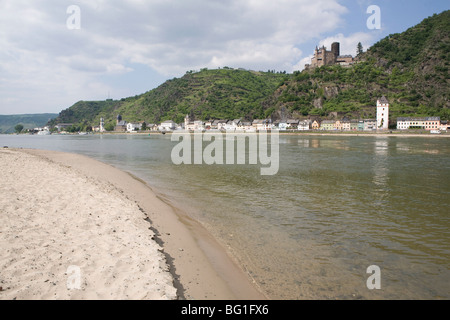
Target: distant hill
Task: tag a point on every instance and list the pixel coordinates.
(29, 121)
(410, 69)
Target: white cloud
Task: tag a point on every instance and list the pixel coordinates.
(348, 43)
(44, 64)
(301, 64)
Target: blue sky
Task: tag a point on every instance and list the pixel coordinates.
(124, 48)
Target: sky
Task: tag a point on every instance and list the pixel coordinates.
(54, 53)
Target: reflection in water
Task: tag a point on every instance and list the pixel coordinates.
(427, 148)
(380, 166)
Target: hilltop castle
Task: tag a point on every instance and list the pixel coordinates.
(322, 57)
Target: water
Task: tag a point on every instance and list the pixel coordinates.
(337, 206)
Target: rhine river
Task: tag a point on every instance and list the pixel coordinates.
(337, 205)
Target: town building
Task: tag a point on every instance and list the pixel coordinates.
(121, 125)
(102, 125)
(262, 124)
(304, 125)
(369, 124)
(426, 123)
(328, 125)
(247, 126)
(132, 127)
(62, 126)
(315, 125)
(292, 124)
(382, 113)
(167, 125)
(354, 125)
(282, 125)
(192, 125)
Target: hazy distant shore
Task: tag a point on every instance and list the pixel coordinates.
(60, 210)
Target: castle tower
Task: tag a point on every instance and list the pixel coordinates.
(382, 113)
(336, 49)
(323, 52)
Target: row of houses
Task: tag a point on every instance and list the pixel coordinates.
(281, 125)
(255, 125)
(428, 123)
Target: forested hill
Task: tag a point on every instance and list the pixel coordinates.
(208, 94)
(410, 69)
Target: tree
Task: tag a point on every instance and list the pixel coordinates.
(109, 127)
(18, 128)
(144, 126)
(359, 49)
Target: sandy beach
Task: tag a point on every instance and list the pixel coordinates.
(76, 228)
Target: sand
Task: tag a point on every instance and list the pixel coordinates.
(75, 228)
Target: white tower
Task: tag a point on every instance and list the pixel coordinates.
(102, 125)
(382, 113)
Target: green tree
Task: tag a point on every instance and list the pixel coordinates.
(359, 49)
(18, 128)
(109, 127)
(144, 126)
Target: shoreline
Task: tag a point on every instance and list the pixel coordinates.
(202, 268)
(287, 133)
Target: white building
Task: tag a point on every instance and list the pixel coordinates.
(199, 125)
(131, 127)
(233, 125)
(167, 125)
(221, 124)
(304, 125)
(427, 123)
(247, 126)
(262, 124)
(102, 125)
(282, 125)
(382, 113)
(292, 124)
(403, 123)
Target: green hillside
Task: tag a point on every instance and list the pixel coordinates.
(208, 94)
(410, 69)
(29, 121)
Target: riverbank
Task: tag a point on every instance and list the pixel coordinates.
(61, 210)
(411, 134)
(308, 133)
